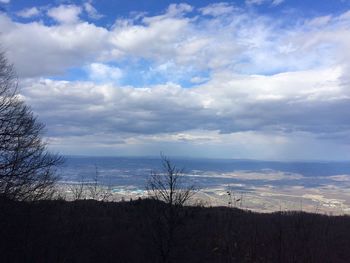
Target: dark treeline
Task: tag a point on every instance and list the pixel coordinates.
(92, 231)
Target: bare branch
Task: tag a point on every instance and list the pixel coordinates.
(27, 169)
(169, 185)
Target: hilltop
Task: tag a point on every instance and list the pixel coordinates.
(136, 231)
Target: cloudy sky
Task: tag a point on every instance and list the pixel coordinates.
(258, 79)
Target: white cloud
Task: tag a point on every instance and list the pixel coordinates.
(260, 2)
(245, 117)
(198, 79)
(103, 73)
(242, 41)
(217, 9)
(5, 1)
(57, 48)
(254, 2)
(29, 12)
(65, 14)
(91, 11)
(156, 40)
(246, 103)
(277, 2)
(261, 79)
(179, 9)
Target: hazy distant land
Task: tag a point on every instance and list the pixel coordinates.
(263, 186)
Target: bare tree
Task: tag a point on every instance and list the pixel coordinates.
(78, 189)
(94, 187)
(169, 186)
(97, 191)
(27, 169)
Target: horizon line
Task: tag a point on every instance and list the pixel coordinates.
(206, 158)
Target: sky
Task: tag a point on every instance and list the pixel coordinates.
(248, 79)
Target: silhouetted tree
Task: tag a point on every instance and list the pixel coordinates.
(27, 169)
(170, 188)
(78, 190)
(97, 191)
